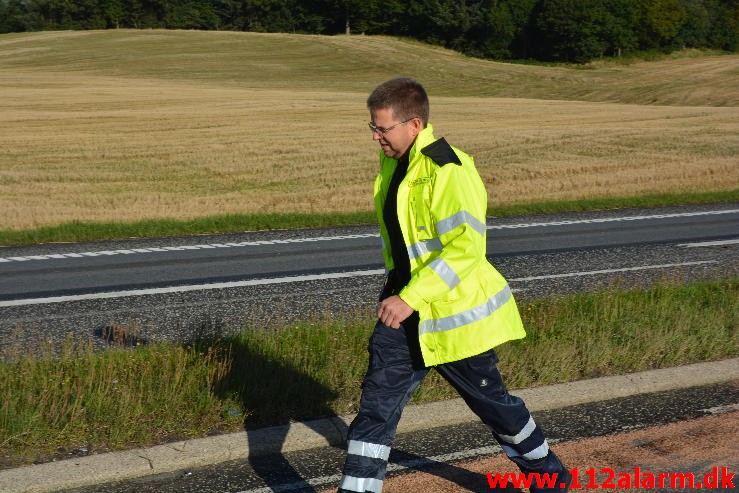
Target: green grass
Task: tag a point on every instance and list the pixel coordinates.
(89, 231)
(156, 393)
(107, 401)
(658, 200)
(78, 231)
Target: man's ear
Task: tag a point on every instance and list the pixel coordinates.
(416, 125)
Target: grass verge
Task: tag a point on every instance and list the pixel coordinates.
(78, 231)
(89, 401)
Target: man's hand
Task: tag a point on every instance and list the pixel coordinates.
(393, 310)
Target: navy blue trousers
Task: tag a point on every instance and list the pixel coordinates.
(396, 370)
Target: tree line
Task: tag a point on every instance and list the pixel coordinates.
(547, 30)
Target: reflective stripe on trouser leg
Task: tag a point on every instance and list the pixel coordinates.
(479, 383)
(360, 485)
(394, 373)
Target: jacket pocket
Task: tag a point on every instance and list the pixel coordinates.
(420, 202)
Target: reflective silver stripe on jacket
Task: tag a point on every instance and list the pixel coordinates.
(520, 436)
(468, 316)
(538, 453)
(423, 247)
(361, 484)
(445, 272)
(444, 226)
(461, 217)
(366, 449)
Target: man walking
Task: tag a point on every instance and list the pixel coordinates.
(443, 304)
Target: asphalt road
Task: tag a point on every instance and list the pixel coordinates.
(437, 449)
(183, 288)
(179, 288)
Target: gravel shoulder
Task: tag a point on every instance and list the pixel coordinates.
(696, 446)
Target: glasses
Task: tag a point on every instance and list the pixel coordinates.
(374, 128)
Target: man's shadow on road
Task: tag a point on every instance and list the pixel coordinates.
(276, 395)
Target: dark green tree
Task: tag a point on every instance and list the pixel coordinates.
(115, 13)
(191, 14)
(474, 27)
(521, 17)
(15, 17)
(661, 21)
(570, 30)
(694, 31)
(620, 26)
(230, 14)
(384, 17)
(556, 30)
(724, 33)
(493, 31)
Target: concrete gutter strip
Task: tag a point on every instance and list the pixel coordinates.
(116, 466)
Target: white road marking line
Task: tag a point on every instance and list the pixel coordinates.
(311, 277)
(710, 243)
(347, 237)
(180, 248)
(613, 219)
(415, 463)
(194, 287)
(487, 451)
(728, 408)
(611, 271)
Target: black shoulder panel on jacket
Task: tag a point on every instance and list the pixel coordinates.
(441, 153)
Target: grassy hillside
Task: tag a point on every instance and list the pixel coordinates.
(356, 63)
(133, 125)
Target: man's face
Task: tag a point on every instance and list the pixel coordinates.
(398, 136)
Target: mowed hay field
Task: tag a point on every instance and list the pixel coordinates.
(128, 125)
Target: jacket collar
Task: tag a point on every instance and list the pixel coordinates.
(424, 138)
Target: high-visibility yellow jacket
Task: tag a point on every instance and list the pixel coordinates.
(465, 305)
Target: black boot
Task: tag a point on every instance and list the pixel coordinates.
(564, 479)
(548, 465)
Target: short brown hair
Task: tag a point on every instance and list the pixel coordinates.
(405, 96)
